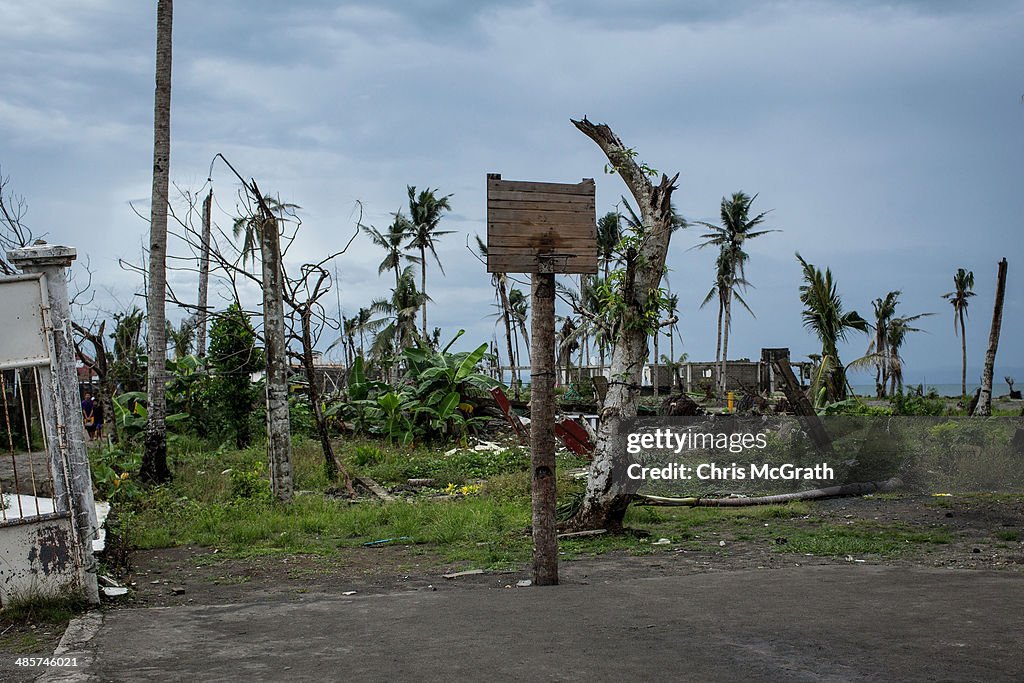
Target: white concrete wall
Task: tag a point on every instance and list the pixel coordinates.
(37, 558)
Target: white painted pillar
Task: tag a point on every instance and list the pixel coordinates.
(68, 456)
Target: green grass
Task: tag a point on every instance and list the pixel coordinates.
(859, 538)
(322, 525)
(219, 498)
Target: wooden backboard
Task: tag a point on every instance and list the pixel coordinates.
(541, 227)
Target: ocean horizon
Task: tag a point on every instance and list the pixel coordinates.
(948, 390)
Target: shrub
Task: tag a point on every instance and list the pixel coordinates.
(917, 402)
(248, 484)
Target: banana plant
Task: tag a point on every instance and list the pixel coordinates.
(131, 414)
(437, 374)
(397, 426)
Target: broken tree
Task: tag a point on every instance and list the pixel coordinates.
(263, 225)
(637, 303)
(984, 406)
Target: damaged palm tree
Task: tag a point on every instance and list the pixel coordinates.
(263, 226)
(633, 296)
(984, 406)
(279, 432)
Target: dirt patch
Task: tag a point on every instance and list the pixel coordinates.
(192, 575)
(968, 532)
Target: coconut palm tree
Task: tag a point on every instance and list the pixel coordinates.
(609, 232)
(823, 314)
(362, 322)
(393, 243)
(896, 335)
(726, 281)
(348, 338)
(500, 283)
(885, 310)
(396, 329)
(884, 350)
(514, 316)
(737, 227)
(154, 458)
(567, 341)
(181, 338)
(425, 211)
(590, 320)
(963, 283)
(519, 308)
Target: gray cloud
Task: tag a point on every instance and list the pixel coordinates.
(885, 136)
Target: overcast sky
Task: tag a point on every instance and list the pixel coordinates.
(886, 137)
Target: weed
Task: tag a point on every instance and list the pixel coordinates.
(248, 484)
(34, 609)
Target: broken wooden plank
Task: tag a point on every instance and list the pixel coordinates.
(468, 572)
(582, 534)
(374, 488)
(496, 184)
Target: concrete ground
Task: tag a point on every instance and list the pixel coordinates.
(832, 623)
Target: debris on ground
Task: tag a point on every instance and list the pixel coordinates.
(582, 534)
(468, 572)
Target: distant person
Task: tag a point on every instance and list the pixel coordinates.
(89, 415)
(97, 412)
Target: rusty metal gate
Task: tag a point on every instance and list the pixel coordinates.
(47, 520)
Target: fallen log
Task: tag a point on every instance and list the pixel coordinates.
(857, 489)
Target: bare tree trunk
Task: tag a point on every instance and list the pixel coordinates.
(506, 314)
(515, 363)
(332, 465)
(154, 458)
(423, 289)
(542, 430)
(204, 276)
(654, 368)
(604, 502)
(881, 377)
(279, 435)
(579, 370)
(723, 381)
(984, 407)
(718, 343)
(963, 355)
(672, 353)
